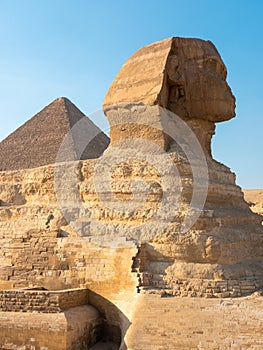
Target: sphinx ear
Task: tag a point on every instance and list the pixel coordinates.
(171, 68)
(171, 78)
(175, 82)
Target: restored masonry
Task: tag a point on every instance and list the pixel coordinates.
(94, 252)
(41, 300)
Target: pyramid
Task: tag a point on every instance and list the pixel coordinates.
(38, 141)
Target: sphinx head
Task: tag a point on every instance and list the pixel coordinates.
(186, 76)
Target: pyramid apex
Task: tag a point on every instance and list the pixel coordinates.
(64, 102)
(61, 99)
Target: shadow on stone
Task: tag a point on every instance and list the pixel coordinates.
(115, 324)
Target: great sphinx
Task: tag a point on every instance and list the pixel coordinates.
(221, 253)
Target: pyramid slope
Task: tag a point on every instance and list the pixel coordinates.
(37, 142)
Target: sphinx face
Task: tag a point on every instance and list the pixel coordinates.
(197, 79)
(185, 75)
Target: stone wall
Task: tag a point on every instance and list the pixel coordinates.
(170, 286)
(42, 301)
(42, 249)
(73, 329)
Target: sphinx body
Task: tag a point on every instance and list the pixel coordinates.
(221, 252)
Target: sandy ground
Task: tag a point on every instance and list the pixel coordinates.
(255, 200)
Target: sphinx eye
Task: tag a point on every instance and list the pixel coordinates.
(215, 65)
(210, 63)
(180, 91)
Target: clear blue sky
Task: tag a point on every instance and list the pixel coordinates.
(74, 48)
